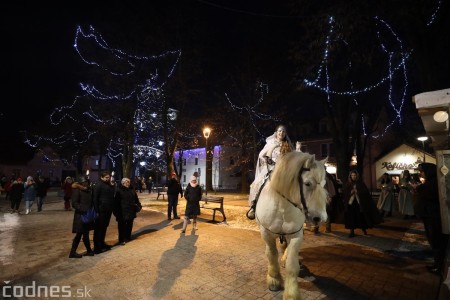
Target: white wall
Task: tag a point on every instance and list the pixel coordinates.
(223, 170)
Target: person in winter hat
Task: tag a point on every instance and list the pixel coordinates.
(193, 195)
(29, 193)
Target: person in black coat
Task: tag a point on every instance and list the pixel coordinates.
(128, 204)
(428, 209)
(360, 210)
(193, 195)
(16, 194)
(42, 187)
(173, 189)
(104, 204)
(81, 202)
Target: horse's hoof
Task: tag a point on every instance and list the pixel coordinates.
(274, 288)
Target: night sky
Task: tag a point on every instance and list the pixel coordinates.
(41, 70)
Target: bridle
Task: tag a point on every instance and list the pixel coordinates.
(303, 209)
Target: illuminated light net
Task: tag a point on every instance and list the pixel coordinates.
(396, 65)
(261, 89)
(146, 96)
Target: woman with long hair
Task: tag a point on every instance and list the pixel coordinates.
(276, 145)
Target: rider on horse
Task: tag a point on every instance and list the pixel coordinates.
(276, 145)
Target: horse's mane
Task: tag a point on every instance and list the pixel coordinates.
(285, 176)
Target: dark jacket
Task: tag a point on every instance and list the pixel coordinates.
(104, 196)
(427, 194)
(81, 202)
(17, 190)
(193, 196)
(42, 188)
(128, 202)
(363, 214)
(174, 187)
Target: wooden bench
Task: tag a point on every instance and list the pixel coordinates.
(216, 200)
(162, 191)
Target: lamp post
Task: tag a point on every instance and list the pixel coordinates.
(208, 178)
(423, 139)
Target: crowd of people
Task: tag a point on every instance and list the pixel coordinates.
(349, 203)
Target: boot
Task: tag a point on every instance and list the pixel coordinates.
(194, 224)
(316, 229)
(251, 211)
(74, 254)
(352, 233)
(89, 251)
(185, 223)
(328, 228)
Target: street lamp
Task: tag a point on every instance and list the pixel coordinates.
(423, 139)
(208, 179)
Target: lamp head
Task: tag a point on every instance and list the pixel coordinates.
(422, 138)
(206, 132)
(440, 116)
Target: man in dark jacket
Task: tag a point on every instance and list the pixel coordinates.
(42, 187)
(427, 208)
(104, 203)
(173, 189)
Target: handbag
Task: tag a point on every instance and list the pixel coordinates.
(137, 207)
(89, 216)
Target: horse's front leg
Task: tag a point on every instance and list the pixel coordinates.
(274, 279)
(283, 246)
(291, 288)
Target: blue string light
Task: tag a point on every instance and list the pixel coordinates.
(396, 68)
(148, 118)
(261, 90)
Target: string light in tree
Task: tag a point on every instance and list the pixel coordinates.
(145, 95)
(435, 12)
(396, 65)
(261, 90)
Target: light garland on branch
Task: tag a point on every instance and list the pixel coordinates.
(396, 67)
(146, 96)
(261, 90)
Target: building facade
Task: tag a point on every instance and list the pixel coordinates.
(45, 162)
(226, 174)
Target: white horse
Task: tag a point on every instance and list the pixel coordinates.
(295, 189)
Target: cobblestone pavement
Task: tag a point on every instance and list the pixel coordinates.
(218, 261)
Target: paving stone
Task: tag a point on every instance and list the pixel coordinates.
(218, 261)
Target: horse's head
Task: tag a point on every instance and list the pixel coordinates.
(312, 181)
(301, 178)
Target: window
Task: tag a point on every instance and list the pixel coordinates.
(196, 161)
(184, 178)
(323, 150)
(184, 161)
(331, 149)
